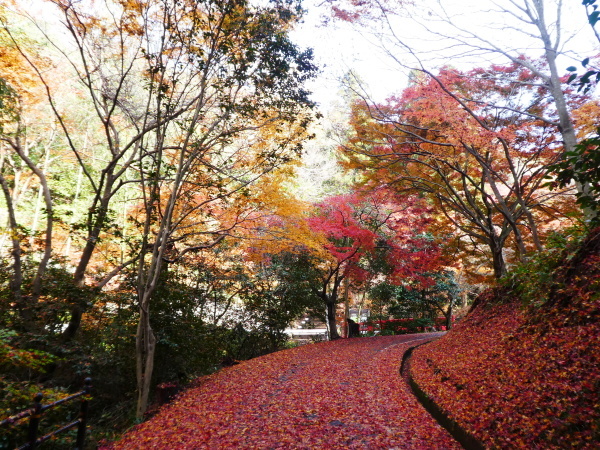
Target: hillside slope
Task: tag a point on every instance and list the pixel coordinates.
(524, 377)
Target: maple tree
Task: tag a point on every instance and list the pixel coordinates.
(370, 235)
(538, 22)
(344, 242)
(542, 21)
(482, 165)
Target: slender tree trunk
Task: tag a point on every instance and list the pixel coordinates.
(498, 259)
(146, 347)
(37, 281)
(448, 315)
(96, 227)
(72, 220)
(16, 282)
(533, 228)
(566, 128)
(346, 331)
(331, 300)
(40, 196)
(331, 323)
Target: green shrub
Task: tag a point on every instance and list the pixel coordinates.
(532, 280)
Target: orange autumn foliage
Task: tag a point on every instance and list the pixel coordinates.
(454, 138)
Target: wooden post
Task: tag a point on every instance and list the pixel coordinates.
(83, 414)
(34, 421)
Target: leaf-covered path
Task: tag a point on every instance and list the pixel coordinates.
(342, 394)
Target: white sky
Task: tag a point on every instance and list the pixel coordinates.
(340, 47)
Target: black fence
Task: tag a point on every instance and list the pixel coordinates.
(35, 416)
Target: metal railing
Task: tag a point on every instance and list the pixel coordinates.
(35, 416)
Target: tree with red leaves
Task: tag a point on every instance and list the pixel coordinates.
(367, 235)
(490, 31)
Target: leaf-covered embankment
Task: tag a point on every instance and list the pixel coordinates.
(336, 395)
(524, 377)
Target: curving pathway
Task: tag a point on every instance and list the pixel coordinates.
(346, 394)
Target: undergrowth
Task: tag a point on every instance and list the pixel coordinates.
(533, 280)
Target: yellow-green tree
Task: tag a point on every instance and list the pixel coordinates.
(191, 103)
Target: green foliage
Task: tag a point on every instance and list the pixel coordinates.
(242, 344)
(189, 342)
(591, 75)
(533, 279)
(279, 293)
(283, 290)
(49, 315)
(10, 355)
(589, 78)
(398, 326)
(582, 166)
(192, 338)
(21, 369)
(17, 397)
(387, 332)
(401, 301)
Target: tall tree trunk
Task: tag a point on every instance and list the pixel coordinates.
(346, 331)
(16, 283)
(331, 300)
(96, 226)
(566, 128)
(73, 217)
(331, 323)
(22, 152)
(448, 315)
(498, 259)
(145, 349)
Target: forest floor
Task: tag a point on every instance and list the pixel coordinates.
(517, 377)
(336, 395)
(524, 374)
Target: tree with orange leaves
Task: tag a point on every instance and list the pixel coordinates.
(460, 139)
(191, 103)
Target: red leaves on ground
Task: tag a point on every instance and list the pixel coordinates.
(514, 379)
(342, 394)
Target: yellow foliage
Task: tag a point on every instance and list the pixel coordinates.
(283, 219)
(586, 118)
